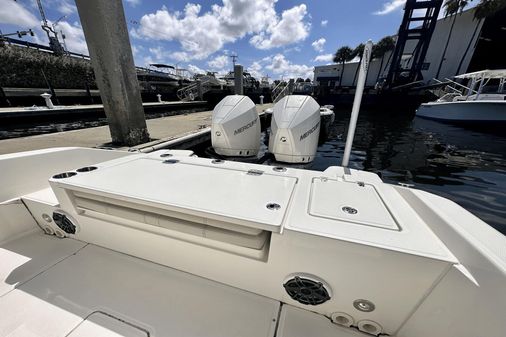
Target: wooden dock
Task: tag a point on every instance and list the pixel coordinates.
(17, 113)
(177, 130)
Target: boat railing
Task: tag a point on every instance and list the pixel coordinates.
(281, 90)
(449, 97)
(451, 87)
(191, 92)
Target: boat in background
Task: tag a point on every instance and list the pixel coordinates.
(466, 104)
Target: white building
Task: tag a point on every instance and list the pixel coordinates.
(463, 40)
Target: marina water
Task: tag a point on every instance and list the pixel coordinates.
(465, 165)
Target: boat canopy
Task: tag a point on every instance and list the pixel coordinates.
(489, 74)
(161, 65)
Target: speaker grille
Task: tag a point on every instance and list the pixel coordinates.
(64, 223)
(306, 291)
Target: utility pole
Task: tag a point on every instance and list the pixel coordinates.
(234, 58)
(106, 34)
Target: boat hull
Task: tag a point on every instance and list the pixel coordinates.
(467, 112)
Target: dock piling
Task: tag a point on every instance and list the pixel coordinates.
(106, 34)
(238, 79)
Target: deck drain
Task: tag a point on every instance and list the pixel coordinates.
(217, 161)
(170, 161)
(163, 155)
(279, 169)
(349, 210)
(273, 206)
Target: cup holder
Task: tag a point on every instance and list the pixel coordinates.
(87, 169)
(64, 175)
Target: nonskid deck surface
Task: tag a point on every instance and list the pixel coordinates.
(64, 287)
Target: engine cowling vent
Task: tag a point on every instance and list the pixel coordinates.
(307, 290)
(65, 224)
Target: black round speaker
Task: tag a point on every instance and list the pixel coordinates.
(306, 291)
(62, 221)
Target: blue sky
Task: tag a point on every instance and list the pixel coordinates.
(276, 38)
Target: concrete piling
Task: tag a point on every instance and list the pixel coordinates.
(106, 34)
(238, 79)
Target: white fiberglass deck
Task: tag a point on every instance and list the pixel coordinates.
(50, 286)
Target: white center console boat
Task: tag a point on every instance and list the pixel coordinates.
(472, 104)
(108, 243)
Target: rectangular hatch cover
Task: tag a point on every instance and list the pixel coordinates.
(211, 191)
(350, 202)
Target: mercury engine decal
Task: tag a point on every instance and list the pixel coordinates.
(246, 127)
(310, 131)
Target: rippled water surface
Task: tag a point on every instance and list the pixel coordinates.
(465, 165)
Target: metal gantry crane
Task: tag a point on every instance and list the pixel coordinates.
(52, 35)
(424, 12)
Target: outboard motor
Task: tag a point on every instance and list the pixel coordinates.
(235, 128)
(295, 129)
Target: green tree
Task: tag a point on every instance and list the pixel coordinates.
(380, 49)
(358, 51)
(299, 80)
(308, 80)
(343, 55)
(483, 9)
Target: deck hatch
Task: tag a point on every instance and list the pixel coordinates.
(351, 202)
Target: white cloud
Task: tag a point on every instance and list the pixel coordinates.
(157, 52)
(290, 29)
(324, 23)
(137, 49)
(324, 58)
(65, 7)
(202, 34)
(14, 13)
(133, 3)
(283, 67)
(390, 6)
(180, 56)
(195, 70)
(218, 62)
(74, 37)
(318, 44)
(255, 69)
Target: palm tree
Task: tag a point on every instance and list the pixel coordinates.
(483, 9)
(488, 7)
(454, 6)
(342, 55)
(383, 46)
(451, 8)
(358, 51)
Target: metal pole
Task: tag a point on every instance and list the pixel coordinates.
(364, 67)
